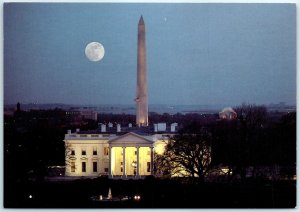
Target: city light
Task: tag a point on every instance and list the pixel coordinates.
(137, 197)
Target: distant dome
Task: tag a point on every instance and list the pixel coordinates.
(228, 113)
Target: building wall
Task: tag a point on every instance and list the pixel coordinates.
(130, 157)
(159, 146)
(88, 146)
(116, 160)
(89, 143)
(89, 115)
(144, 158)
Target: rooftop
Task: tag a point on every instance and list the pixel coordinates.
(106, 130)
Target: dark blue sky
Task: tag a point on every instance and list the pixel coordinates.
(196, 53)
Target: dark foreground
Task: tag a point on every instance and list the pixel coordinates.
(155, 193)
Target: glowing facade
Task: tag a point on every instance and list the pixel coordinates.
(119, 156)
(142, 87)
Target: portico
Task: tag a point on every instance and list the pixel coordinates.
(130, 156)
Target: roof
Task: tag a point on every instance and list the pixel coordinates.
(132, 137)
(144, 131)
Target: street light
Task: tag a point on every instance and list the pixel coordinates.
(137, 197)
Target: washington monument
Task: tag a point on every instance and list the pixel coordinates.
(142, 87)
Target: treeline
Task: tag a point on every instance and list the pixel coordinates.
(34, 140)
(179, 118)
(252, 145)
(253, 141)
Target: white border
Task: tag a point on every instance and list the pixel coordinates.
(140, 1)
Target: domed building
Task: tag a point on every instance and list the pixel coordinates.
(228, 113)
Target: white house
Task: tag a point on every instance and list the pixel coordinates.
(119, 155)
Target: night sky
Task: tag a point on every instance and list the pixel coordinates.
(196, 53)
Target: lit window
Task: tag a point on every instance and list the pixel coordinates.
(106, 150)
(148, 166)
(83, 166)
(94, 151)
(72, 166)
(121, 166)
(94, 166)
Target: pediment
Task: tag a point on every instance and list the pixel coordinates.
(131, 138)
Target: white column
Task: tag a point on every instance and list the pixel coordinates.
(138, 161)
(151, 163)
(124, 162)
(109, 164)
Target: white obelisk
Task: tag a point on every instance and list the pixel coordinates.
(142, 87)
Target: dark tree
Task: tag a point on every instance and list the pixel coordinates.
(187, 154)
(283, 144)
(243, 142)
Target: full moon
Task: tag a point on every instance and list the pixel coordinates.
(94, 51)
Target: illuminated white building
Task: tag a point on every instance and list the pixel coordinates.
(120, 155)
(228, 113)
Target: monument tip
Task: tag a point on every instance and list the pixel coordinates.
(141, 22)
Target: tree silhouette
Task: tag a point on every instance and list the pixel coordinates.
(242, 142)
(187, 154)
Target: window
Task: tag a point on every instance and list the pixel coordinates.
(148, 152)
(148, 166)
(72, 166)
(83, 166)
(106, 170)
(135, 152)
(72, 152)
(83, 152)
(106, 150)
(94, 166)
(94, 151)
